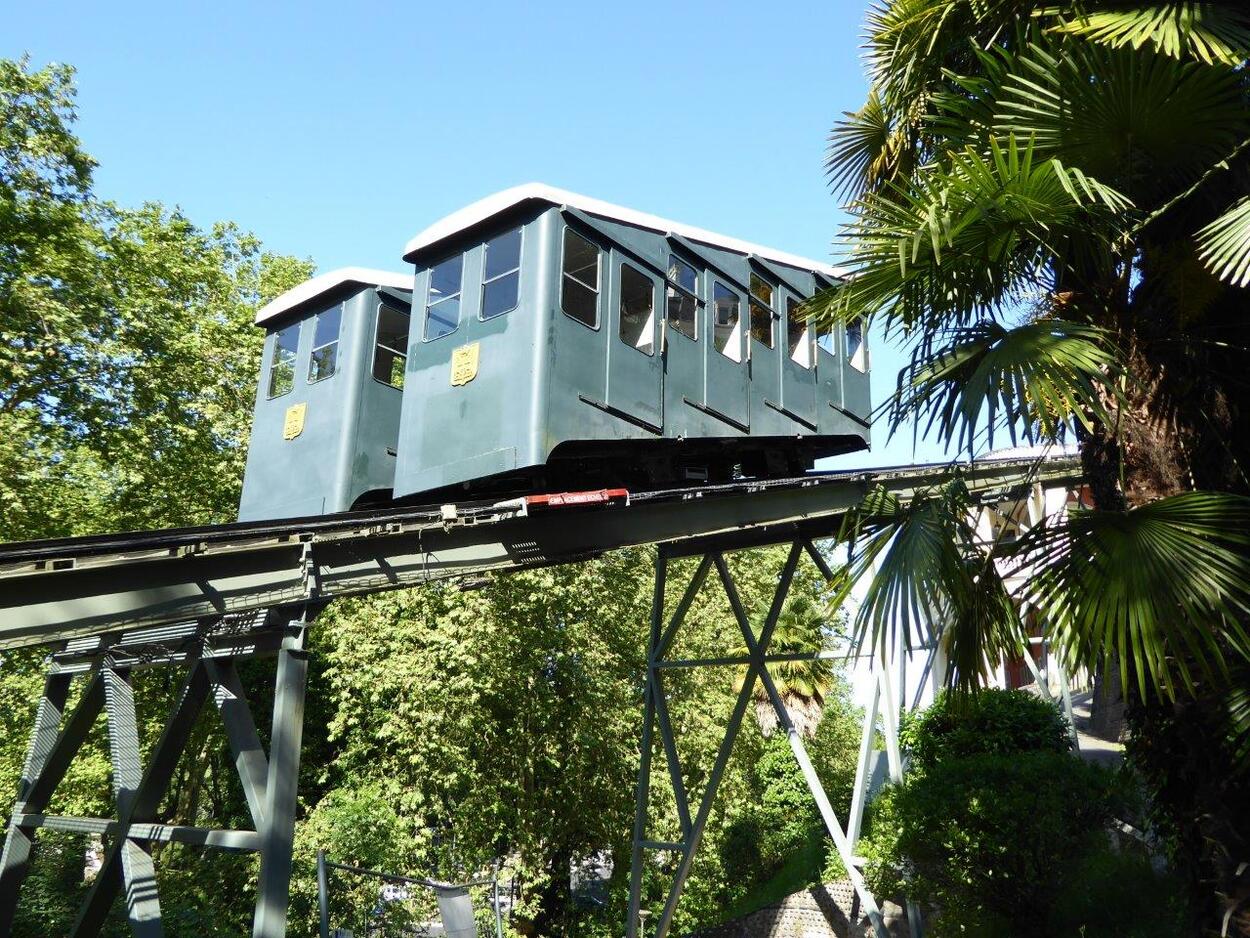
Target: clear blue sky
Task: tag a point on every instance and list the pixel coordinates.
(337, 131)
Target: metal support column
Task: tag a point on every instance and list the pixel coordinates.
(655, 715)
(643, 792)
(323, 894)
(1065, 692)
(892, 708)
(859, 794)
(208, 650)
(278, 831)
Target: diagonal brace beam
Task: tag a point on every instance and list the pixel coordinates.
(249, 756)
(139, 793)
(731, 731)
(47, 758)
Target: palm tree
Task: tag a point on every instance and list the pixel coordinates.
(803, 684)
(1050, 207)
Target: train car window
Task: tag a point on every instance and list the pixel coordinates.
(727, 322)
(856, 347)
(798, 335)
(442, 310)
(282, 361)
(637, 310)
(682, 296)
(761, 303)
(579, 295)
(324, 360)
(501, 273)
(390, 351)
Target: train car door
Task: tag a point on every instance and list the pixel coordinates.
(635, 369)
(798, 367)
(725, 377)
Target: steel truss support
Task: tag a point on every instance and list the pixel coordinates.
(656, 717)
(208, 650)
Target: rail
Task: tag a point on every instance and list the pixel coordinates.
(73, 588)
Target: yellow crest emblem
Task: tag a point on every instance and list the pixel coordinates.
(293, 425)
(464, 364)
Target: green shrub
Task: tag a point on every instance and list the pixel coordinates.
(740, 851)
(787, 812)
(1114, 894)
(986, 722)
(985, 840)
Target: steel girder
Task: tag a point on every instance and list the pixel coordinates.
(208, 652)
(63, 590)
(656, 719)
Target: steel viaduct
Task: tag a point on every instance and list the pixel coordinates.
(202, 599)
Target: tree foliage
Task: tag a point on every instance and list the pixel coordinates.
(127, 349)
(991, 721)
(1000, 831)
(127, 365)
(1048, 212)
(986, 839)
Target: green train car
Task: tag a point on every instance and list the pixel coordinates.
(548, 342)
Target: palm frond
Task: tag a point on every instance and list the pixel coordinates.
(1238, 705)
(865, 148)
(907, 553)
(982, 629)
(1224, 245)
(963, 110)
(1033, 380)
(1213, 33)
(908, 43)
(965, 239)
(1133, 119)
(801, 628)
(901, 36)
(1165, 586)
(924, 568)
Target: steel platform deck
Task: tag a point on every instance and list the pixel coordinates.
(57, 590)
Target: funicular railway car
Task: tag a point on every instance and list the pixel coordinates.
(325, 430)
(556, 342)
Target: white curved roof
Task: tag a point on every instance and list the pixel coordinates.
(332, 280)
(500, 202)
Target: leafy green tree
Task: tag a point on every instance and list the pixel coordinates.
(128, 354)
(1048, 210)
(986, 839)
(127, 365)
(993, 721)
(1001, 832)
(47, 243)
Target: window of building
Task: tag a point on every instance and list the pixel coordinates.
(442, 311)
(682, 295)
(282, 360)
(727, 322)
(637, 310)
(826, 341)
(762, 315)
(324, 360)
(579, 295)
(390, 348)
(798, 335)
(501, 274)
(856, 347)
